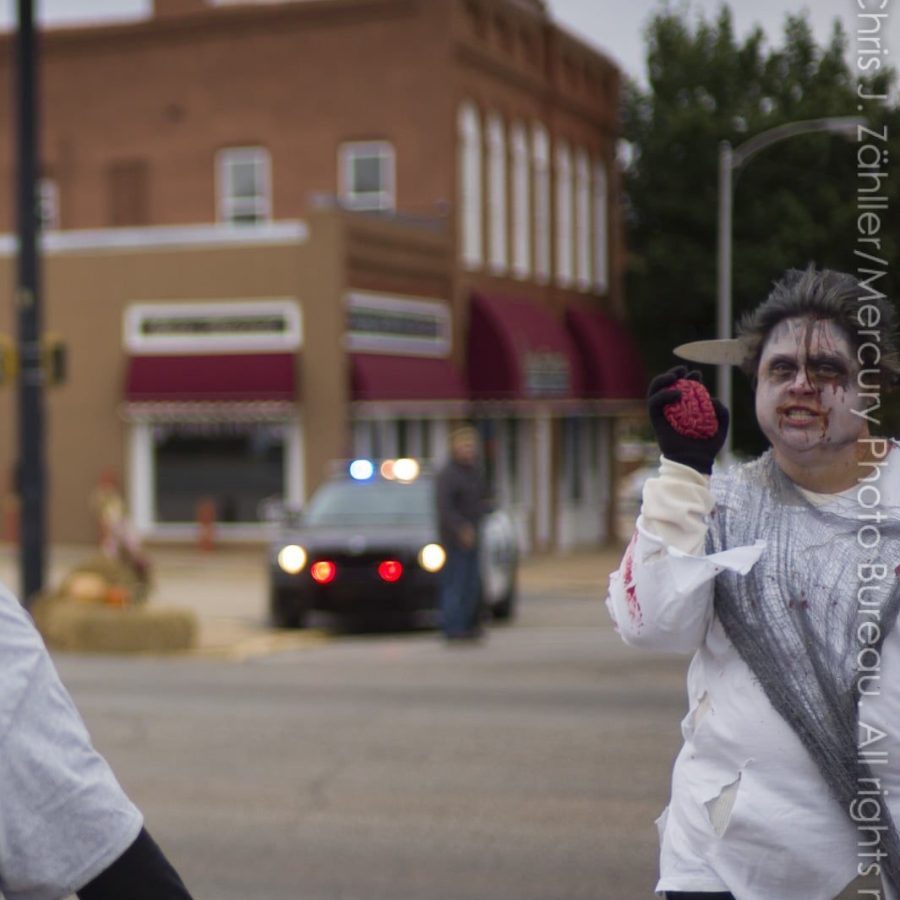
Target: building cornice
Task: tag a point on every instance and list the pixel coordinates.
(215, 19)
(535, 87)
(165, 237)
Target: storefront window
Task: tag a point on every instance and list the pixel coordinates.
(512, 459)
(382, 438)
(487, 432)
(573, 459)
(233, 465)
(403, 438)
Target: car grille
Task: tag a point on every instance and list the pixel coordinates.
(366, 560)
(362, 566)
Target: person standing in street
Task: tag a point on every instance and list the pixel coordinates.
(461, 504)
(66, 826)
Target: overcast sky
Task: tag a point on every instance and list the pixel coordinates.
(614, 26)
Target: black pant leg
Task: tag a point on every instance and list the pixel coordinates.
(142, 872)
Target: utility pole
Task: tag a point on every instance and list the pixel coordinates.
(30, 471)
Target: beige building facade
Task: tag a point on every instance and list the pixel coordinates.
(282, 234)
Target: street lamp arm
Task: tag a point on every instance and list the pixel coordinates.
(730, 162)
(833, 125)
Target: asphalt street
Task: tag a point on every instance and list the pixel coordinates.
(394, 767)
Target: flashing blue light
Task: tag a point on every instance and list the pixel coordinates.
(362, 469)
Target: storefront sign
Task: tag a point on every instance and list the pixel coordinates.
(221, 326)
(547, 374)
(379, 323)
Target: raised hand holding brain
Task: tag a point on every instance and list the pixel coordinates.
(693, 414)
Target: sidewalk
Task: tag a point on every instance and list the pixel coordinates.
(227, 589)
(581, 571)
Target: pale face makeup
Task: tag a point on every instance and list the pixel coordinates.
(807, 392)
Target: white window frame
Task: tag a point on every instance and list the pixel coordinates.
(564, 214)
(231, 208)
(383, 200)
(582, 220)
(601, 227)
(540, 157)
(521, 202)
(497, 196)
(469, 175)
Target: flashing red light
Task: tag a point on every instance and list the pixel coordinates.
(390, 570)
(323, 571)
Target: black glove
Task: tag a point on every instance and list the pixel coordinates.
(694, 452)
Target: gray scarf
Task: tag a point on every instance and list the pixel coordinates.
(794, 618)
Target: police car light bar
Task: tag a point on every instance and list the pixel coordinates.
(404, 470)
(362, 469)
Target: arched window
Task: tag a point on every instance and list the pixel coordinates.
(563, 214)
(582, 220)
(469, 185)
(540, 156)
(497, 218)
(521, 202)
(601, 228)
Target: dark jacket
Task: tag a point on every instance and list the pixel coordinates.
(461, 499)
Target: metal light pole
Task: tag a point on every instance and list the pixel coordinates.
(730, 161)
(30, 464)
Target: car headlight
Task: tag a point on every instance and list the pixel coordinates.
(432, 557)
(292, 559)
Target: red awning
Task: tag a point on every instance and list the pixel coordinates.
(518, 350)
(381, 376)
(204, 378)
(609, 356)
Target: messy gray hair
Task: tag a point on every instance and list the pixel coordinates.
(825, 294)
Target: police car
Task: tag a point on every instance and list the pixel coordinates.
(366, 547)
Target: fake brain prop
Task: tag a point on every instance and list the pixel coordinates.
(693, 415)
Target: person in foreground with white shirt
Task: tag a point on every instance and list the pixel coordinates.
(66, 825)
(779, 576)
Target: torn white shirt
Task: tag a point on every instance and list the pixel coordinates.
(749, 812)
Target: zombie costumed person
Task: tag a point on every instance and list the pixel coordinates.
(778, 575)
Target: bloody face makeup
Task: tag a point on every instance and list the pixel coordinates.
(807, 390)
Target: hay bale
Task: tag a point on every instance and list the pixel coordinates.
(68, 624)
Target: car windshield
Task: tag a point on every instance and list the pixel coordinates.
(371, 503)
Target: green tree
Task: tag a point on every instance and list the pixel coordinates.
(794, 204)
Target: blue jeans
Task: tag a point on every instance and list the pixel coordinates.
(460, 592)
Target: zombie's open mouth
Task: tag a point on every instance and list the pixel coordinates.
(799, 414)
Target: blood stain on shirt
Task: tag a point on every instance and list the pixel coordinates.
(634, 606)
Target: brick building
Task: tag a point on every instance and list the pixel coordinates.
(283, 232)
